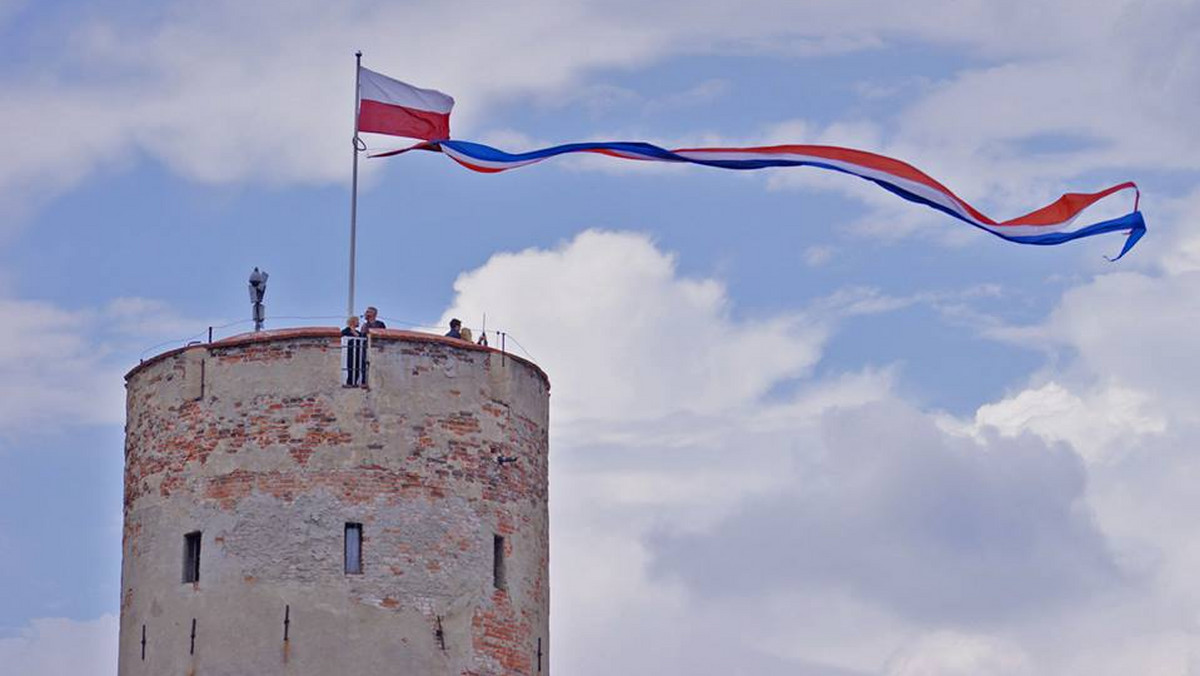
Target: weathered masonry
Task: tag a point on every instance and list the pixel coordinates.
(278, 521)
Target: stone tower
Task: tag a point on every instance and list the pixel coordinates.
(280, 522)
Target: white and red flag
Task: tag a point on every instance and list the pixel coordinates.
(395, 108)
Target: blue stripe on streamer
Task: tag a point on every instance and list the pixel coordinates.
(1133, 222)
(490, 154)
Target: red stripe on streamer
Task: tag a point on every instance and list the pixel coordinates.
(861, 158)
(1068, 206)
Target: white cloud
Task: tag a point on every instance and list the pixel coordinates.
(931, 527)
(624, 337)
(953, 654)
(50, 369)
(816, 256)
(1123, 73)
(1118, 387)
(1132, 328)
(833, 530)
(56, 646)
(829, 530)
(67, 366)
(1121, 347)
(659, 418)
(1107, 422)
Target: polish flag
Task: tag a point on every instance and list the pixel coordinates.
(391, 107)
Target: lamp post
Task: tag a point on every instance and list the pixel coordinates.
(258, 289)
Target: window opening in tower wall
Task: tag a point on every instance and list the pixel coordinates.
(191, 557)
(353, 554)
(498, 573)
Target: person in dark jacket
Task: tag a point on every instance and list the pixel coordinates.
(455, 329)
(371, 321)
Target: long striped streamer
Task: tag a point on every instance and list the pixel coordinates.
(1051, 224)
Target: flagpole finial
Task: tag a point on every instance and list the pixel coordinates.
(358, 54)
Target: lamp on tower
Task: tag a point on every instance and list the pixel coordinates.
(258, 289)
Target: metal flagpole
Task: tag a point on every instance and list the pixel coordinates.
(359, 146)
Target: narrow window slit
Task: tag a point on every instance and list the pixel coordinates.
(353, 555)
(498, 573)
(191, 557)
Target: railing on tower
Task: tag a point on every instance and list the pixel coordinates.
(354, 361)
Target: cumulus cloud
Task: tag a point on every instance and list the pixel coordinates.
(830, 529)
(1118, 389)
(933, 527)
(55, 646)
(625, 337)
(1107, 422)
(1120, 344)
(1133, 331)
(661, 415)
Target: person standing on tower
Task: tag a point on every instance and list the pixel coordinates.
(454, 332)
(371, 322)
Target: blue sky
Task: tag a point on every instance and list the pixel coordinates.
(724, 346)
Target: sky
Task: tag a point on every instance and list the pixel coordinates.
(799, 426)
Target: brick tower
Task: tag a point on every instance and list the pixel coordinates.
(280, 522)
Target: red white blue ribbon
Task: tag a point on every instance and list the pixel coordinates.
(1051, 224)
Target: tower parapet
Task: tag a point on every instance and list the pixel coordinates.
(277, 521)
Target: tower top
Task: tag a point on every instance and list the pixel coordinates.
(385, 335)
